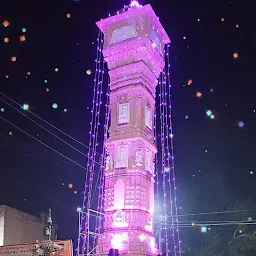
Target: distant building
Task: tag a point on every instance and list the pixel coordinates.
(17, 227)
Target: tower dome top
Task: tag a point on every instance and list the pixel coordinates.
(135, 3)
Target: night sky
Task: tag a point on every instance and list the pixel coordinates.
(211, 53)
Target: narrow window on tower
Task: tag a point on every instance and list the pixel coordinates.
(123, 113)
(148, 117)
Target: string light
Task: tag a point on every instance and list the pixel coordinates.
(162, 123)
(172, 151)
(83, 240)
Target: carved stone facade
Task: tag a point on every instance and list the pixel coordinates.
(133, 48)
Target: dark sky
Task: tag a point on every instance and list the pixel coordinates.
(213, 158)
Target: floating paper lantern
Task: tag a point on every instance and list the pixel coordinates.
(22, 38)
(88, 72)
(54, 105)
(190, 81)
(6, 23)
(6, 40)
(240, 124)
(70, 185)
(235, 55)
(198, 94)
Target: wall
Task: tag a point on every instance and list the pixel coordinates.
(20, 228)
(1, 225)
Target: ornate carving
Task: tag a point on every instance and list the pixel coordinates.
(123, 33)
(118, 216)
(123, 113)
(139, 157)
(124, 98)
(109, 163)
(148, 158)
(122, 157)
(139, 94)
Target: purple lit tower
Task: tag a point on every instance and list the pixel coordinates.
(134, 42)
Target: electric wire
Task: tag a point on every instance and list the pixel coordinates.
(48, 131)
(54, 150)
(48, 123)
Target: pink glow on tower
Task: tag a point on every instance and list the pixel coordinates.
(134, 51)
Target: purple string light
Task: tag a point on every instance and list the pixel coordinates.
(172, 148)
(102, 169)
(163, 161)
(83, 240)
(167, 152)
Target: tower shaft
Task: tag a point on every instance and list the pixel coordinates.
(133, 49)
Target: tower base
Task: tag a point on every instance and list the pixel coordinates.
(131, 248)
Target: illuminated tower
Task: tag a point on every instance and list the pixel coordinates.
(134, 42)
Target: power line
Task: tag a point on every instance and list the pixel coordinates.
(69, 159)
(40, 118)
(49, 131)
(210, 213)
(194, 225)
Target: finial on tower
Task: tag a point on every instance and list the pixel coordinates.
(135, 3)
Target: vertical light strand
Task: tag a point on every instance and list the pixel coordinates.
(167, 157)
(96, 123)
(157, 214)
(163, 163)
(172, 148)
(102, 170)
(101, 149)
(95, 132)
(84, 215)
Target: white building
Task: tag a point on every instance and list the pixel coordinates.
(18, 227)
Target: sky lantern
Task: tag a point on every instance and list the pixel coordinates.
(6, 23)
(70, 185)
(88, 72)
(198, 94)
(54, 105)
(235, 55)
(6, 40)
(13, 58)
(190, 81)
(68, 15)
(22, 38)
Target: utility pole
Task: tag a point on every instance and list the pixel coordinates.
(45, 248)
(48, 231)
